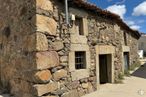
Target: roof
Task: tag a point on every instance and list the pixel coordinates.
(143, 34)
(115, 17)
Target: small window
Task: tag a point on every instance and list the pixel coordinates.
(125, 39)
(79, 25)
(80, 60)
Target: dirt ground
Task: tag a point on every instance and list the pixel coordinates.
(134, 86)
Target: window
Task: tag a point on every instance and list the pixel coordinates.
(125, 39)
(79, 25)
(80, 60)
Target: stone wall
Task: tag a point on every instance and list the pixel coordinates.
(141, 43)
(103, 31)
(133, 44)
(15, 58)
(36, 45)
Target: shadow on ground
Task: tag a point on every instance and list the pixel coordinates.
(141, 72)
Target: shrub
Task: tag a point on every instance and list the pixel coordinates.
(127, 73)
(120, 78)
(135, 65)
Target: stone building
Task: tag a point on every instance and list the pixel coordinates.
(41, 56)
(142, 44)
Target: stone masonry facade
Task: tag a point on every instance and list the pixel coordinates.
(38, 49)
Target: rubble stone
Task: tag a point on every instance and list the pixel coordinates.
(46, 25)
(85, 85)
(45, 5)
(59, 74)
(58, 45)
(46, 88)
(36, 42)
(48, 59)
(43, 76)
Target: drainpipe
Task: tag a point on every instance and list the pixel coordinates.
(66, 12)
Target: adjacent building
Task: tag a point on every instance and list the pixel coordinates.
(42, 56)
(142, 45)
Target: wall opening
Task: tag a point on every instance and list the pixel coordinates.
(125, 39)
(80, 60)
(126, 60)
(79, 25)
(105, 67)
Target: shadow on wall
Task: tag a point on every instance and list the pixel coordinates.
(141, 72)
(17, 33)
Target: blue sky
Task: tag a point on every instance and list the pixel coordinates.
(133, 12)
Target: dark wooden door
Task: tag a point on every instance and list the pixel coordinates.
(103, 69)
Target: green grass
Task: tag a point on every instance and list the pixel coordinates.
(127, 73)
(135, 65)
(120, 78)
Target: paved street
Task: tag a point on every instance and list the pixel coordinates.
(134, 86)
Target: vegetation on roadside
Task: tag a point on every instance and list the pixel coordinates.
(131, 68)
(127, 73)
(135, 65)
(120, 78)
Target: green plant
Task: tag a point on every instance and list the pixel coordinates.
(127, 73)
(121, 76)
(119, 79)
(135, 65)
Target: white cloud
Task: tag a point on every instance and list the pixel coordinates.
(132, 24)
(135, 27)
(141, 21)
(118, 9)
(121, 11)
(140, 9)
